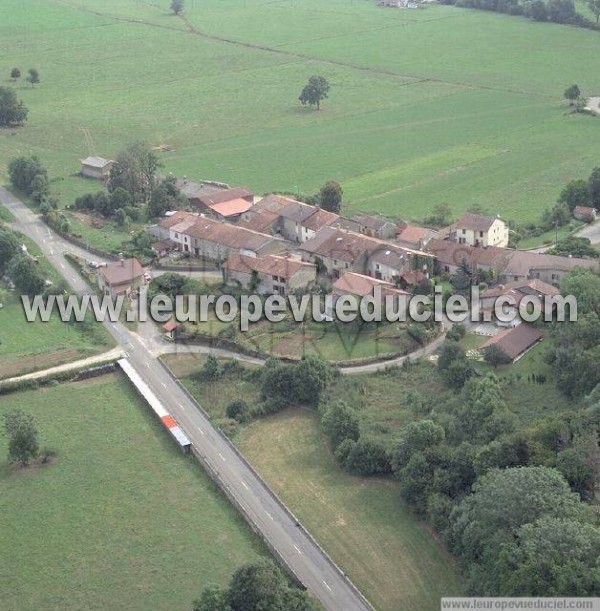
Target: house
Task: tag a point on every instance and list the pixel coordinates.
(264, 222)
(450, 257)
(524, 265)
(96, 167)
(516, 341)
(299, 222)
(585, 213)
(162, 248)
(121, 277)
(229, 210)
(517, 291)
(372, 226)
(479, 230)
(171, 329)
(359, 285)
(271, 274)
(205, 201)
(338, 251)
(216, 241)
(162, 229)
(416, 237)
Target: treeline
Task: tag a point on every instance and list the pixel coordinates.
(556, 11)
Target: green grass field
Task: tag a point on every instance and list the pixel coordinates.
(122, 520)
(426, 106)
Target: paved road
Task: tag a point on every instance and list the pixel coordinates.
(276, 524)
(591, 232)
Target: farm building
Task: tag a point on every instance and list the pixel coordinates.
(96, 167)
(515, 342)
(585, 213)
(121, 277)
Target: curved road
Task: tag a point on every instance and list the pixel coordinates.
(276, 524)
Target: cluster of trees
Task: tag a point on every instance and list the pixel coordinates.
(556, 11)
(574, 352)
(358, 454)
(329, 197)
(18, 265)
(315, 91)
(260, 586)
(13, 111)
(574, 247)
(133, 182)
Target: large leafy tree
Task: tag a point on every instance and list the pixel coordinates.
(22, 437)
(575, 193)
(23, 172)
(594, 6)
(26, 275)
(314, 92)
(177, 6)
(9, 246)
(553, 556)
(330, 196)
(12, 110)
(594, 188)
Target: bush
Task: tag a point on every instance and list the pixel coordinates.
(367, 457)
(237, 410)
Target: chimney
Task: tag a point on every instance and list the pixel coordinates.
(122, 262)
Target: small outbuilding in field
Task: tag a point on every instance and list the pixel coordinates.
(96, 167)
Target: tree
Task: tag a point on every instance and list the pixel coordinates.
(213, 598)
(311, 377)
(237, 409)
(594, 6)
(135, 171)
(166, 196)
(9, 246)
(330, 197)
(574, 247)
(119, 198)
(121, 218)
(594, 188)
(551, 557)
(177, 6)
(539, 12)
(40, 188)
(584, 285)
(26, 275)
(367, 457)
(22, 172)
(572, 93)
(454, 365)
(495, 356)
(575, 193)
(33, 77)
(15, 74)
(561, 11)
(22, 437)
(314, 91)
(12, 110)
(211, 370)
(504, 500)
(340, 422)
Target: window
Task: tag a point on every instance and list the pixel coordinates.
(464, 231)
(481, 234)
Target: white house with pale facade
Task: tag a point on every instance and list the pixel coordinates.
(479, 230)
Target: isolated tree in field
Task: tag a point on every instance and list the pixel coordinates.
(572, 93)
(15, 74)
(12, 110)
(314, 91)
(177, 6)
(33, 77)
(594, 6)
(26, 275)
(9, 246)
(22, 437)
(330, 196)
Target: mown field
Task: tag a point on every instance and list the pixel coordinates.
(122, 520)
(426, 106)
(361, 522)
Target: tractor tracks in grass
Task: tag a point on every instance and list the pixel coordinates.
(190, 28)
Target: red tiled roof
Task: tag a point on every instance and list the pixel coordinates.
(453, 253)
(357, 284)
(475, 222)
(231, 207)
(225, 195)
(274, 265)
(227, 235)
(514, 341)
(121, 272)
(171, 325)
(177, 217)
(412, 234)
(262, 221)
